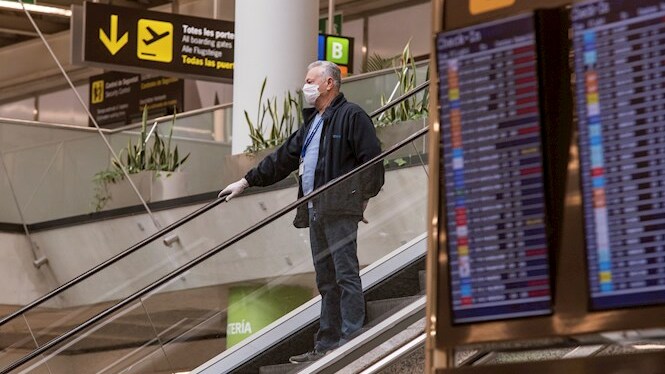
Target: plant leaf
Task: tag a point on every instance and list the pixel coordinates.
(263, 87)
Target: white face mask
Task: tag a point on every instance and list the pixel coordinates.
(311, 92)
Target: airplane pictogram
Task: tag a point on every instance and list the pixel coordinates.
(155, 36)
(154, 40)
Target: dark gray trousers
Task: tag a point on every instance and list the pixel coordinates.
(334, 251)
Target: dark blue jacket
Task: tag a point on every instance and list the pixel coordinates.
(348, 139)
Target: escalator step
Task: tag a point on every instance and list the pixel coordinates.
(379, 308)
(376, 310)
(282, 368)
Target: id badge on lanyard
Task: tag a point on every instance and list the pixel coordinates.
(301, 167)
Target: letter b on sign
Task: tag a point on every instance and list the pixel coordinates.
(337, 50)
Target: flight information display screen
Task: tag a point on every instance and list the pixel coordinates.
(620, 93)
(494, 189)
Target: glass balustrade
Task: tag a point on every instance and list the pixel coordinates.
(52, 169)
(249, 282)
(366, 90)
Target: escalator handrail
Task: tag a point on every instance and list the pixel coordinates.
(201, 258)
(205, 256)
(28, 307)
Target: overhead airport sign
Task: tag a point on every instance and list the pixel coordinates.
(141, 41)
(118, 99)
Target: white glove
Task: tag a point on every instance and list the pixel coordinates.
(235, 189)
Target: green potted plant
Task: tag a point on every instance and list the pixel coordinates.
(274, 123)
(409, 116)
(153, 164)
(414, 108)
(283, 124)
(376, 62)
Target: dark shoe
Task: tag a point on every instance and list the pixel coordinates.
(307, 357)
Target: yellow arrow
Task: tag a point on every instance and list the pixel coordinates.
(113, 44)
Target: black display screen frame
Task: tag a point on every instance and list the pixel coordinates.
(553, 147)
(571, 316)
(591, 11)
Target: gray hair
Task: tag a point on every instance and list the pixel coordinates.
(329, 70)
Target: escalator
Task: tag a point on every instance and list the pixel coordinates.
(389, 284)
(175, 317)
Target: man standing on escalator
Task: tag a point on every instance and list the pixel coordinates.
(337, 137)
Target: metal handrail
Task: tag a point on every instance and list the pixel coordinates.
(377, 73)
(48, 125)
(61, 126)
(407, 95)
(203, 257)
(190, 113)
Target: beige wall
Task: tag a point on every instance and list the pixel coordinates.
(21, 281)
(388, 40)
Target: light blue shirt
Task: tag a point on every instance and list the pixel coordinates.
(311, 156)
